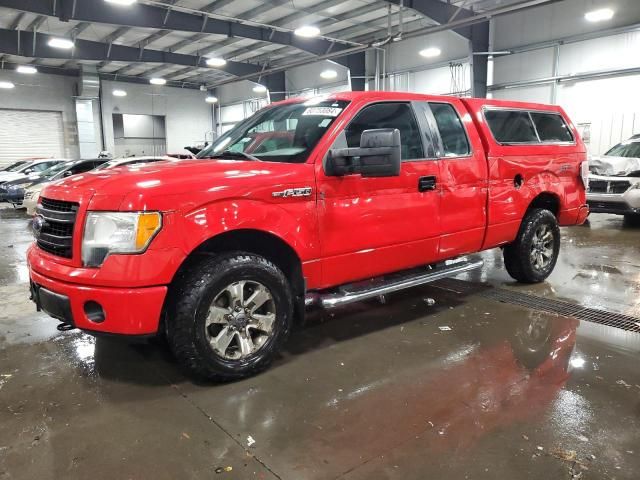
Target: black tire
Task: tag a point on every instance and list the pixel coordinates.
(191, 297)
(517, 255)
(632, 220)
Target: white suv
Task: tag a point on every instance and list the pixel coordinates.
(614, 180)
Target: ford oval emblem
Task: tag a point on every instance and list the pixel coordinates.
(38, 224)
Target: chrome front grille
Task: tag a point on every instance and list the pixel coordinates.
(609, 186)
(54, 230)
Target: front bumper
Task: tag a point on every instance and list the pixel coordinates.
(125, 311)
(624, 203)
(16, 198)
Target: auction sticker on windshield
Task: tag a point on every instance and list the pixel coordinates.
(323, 111)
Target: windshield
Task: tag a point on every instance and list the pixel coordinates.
(14, 166)
(57, 168)
(284, 133)
(625, 149)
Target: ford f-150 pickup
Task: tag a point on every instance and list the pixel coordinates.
(364, 193)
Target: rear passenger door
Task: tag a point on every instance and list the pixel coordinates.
(463, 178)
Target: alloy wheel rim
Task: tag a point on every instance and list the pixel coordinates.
(240, 319)
(542, 248)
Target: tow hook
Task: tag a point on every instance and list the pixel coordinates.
(64, 327)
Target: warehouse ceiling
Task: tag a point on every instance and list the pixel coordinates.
(174, 38)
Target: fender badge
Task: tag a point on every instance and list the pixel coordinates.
(293, 192)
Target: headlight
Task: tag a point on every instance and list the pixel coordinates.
(117, 232)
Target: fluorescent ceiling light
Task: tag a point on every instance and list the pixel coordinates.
(26, 69)
(430, 52)
(126, 3)
(6, 85)
(157, 81)
(216, 62)
(599, 15)
(61, 43)
(119, 93)
(328, 74)
(211, 99)
(307, 31)
(259, 88)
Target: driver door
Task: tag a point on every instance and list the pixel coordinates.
(371, 226)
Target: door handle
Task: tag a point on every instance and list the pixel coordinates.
(426, 183)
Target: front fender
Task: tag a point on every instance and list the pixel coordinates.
(294, 221)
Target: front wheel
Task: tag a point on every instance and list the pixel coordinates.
(229, 316)
(533, 255)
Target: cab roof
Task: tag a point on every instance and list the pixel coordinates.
(473, 103)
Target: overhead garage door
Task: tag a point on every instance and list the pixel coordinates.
(27, 133)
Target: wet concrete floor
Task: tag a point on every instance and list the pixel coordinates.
(466, 388)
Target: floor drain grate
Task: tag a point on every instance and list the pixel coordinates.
(534, 302)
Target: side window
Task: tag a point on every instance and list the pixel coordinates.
(41, 167)
(551, 127)
(452, 133)
(511, 126)
(81, 168)
(388, 115)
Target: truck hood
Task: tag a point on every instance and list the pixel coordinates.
(218, 178)
(615, 166)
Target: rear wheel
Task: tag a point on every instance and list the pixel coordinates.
(533, 255)
(229, 316)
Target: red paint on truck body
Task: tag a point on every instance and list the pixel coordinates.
(350, 228)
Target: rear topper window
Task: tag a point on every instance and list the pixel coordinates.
(551, 127)
(511, 126)
(527, 127)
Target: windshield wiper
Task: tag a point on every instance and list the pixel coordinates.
(230, 154)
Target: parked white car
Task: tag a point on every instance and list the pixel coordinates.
(614, 180)
(30, 168)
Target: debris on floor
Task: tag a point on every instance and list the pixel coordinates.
(223, 469)
(250, 441)
(623, 383)
(429, 301)
(444, 328)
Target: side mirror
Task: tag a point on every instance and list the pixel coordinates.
(378, 155)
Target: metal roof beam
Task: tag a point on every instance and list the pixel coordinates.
(22, 43)
(16, 21)
(151, 16)
(440, 11)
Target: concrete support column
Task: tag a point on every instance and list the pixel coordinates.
(479, 43)
(276, 85)
(357, 72)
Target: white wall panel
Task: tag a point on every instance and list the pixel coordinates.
(610, 106)
(301, 78)
(51, 93)
(536, 94)
(188, 118)
(405, 55)
(438, 81)
(613, 52)
(232, 113)
(558, 20)
(523, 66)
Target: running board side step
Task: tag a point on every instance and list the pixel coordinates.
(357, 292)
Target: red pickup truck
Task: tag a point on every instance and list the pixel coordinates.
(364, 193)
